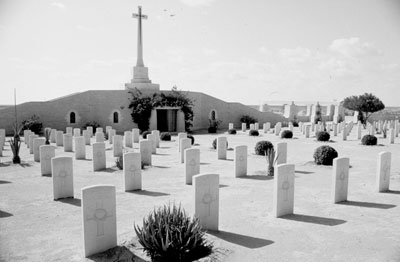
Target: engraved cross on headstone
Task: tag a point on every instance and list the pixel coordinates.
(207, 200)
(99, 216)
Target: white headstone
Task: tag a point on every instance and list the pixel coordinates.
(230, 126)
(86, 135)
(359, 130)
(244, 127)
(80, 149)
(99, 215)
(62, 173)
(256, 126)
(37, 142)
(99, 130)
(185, 143)
(108, 128)
(252, 127)
(221, 147)
(180, 136)
(117, 145)
(99, 137)
(240, 160)
(383, 171)
(206, 187)
(156, 134)
(278, 127)
(69, 130)
(281, 153)
(53, 135)
(59, 138)
(132, 171)
(77, 132)
(26, 134)
(31, 137)
(192, 164)
(283, 200)
(391, 136)
(152, 139)
(266, 127)
(128, 139)
(145, 152)
(344, 133)
(99, 156)
(135, 135)
(90, 130)
(340, 179)
(67, 141)
(47, 152)
(111, 134)
(307, 131)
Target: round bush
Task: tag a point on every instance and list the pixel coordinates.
(287, 134)
(253, 133)
(165, 136)
(168, 234)
(145, 133)
(324, 155)
(191, 138)
(262, 147)
(232, 131)
(323, 136)
(369, 140)
(214, 144)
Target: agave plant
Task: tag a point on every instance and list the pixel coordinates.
(15, 144)
(168, 234)
(271, 159)
(47, 132)
(384, 131)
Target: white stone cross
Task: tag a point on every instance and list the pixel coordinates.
(139, 16)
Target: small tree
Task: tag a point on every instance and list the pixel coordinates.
(365, 104)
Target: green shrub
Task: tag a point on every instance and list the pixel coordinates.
(214, 143)
(248, 120)
(145, 133)
(287, 134)
(33, 124)
(254, 133)
(191, 138)
(369, 140)
(165, 136)
(168, 234)
(232, 131)
(324, 155)
(322, 136)
(262, 147)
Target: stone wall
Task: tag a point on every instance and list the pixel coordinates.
(99, 106)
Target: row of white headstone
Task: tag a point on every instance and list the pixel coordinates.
(99, 217)
(99, 204)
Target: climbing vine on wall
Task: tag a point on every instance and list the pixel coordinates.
(142, 105)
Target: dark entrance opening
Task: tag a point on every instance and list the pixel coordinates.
(166, 120)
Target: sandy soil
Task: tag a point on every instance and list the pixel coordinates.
(33, 227)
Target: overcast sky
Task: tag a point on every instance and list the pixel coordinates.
(236, 50)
